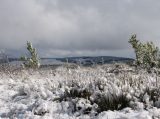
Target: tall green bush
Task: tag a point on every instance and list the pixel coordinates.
(147, 54)
(33, 60)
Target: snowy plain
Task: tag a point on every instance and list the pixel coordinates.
(74, 92)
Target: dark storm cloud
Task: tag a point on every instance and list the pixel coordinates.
(77, 27)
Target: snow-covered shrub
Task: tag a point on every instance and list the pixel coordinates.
(147, 54)
(111, 102)
(33, 60)
(95, 93)
(75, 92)
(40, 107)
(150, 96)
(82, 93)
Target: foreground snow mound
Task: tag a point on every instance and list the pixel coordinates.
(115, 91)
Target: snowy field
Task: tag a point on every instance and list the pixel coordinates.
(113, 91)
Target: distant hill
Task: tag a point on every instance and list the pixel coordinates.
(84, 60)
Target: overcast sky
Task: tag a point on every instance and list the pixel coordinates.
(59, 28)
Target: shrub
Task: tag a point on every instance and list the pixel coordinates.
(33, 60)
(99, 101)
(111, 102)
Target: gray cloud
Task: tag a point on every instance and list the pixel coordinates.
(60, 28)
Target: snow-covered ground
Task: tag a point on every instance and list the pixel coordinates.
(114, 91)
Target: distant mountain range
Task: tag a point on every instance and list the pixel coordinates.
(84, 60)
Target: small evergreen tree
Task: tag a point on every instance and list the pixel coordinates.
(3, 57)
(33, 60)
(147, 54)
(137, 48)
